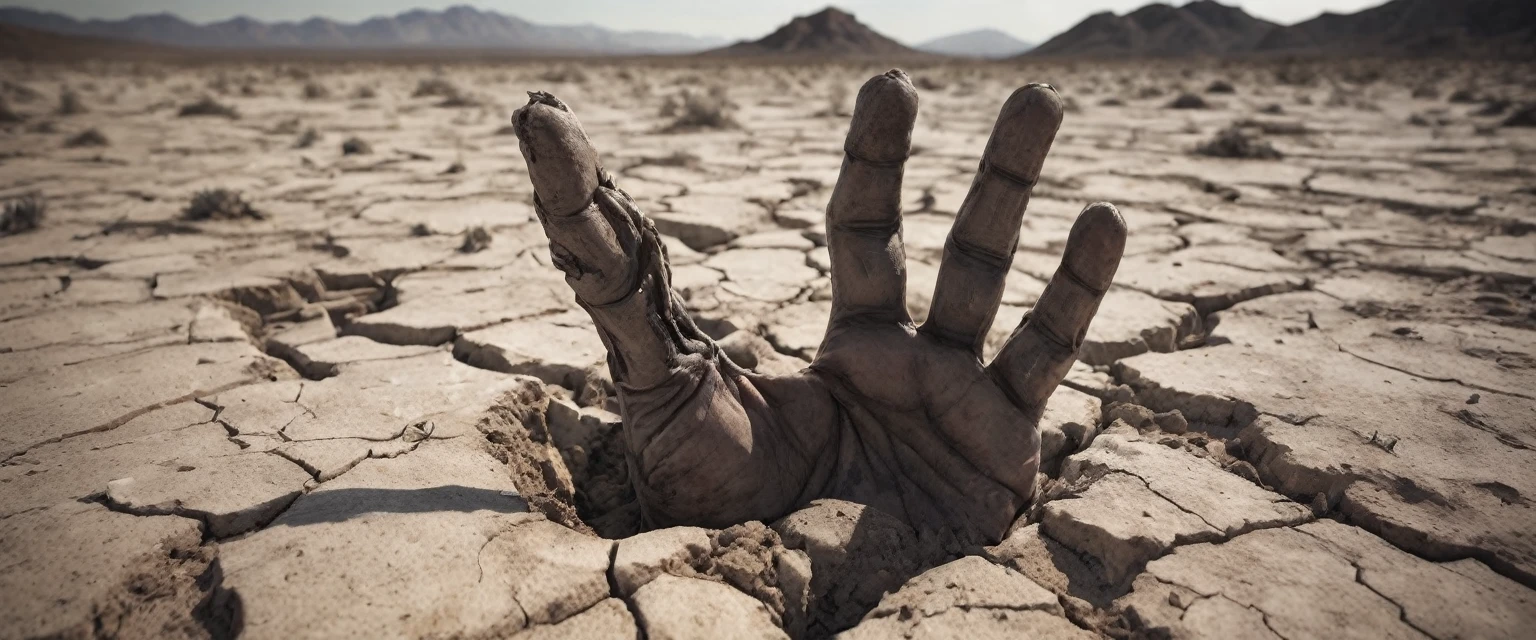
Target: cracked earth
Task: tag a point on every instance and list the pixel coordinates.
(1306, 409)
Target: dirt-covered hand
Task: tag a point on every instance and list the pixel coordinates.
(904, 418)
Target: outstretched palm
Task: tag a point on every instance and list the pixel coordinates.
(907, 419)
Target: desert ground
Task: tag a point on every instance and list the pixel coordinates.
(292, 361)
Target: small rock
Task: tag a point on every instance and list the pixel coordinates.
(1320, 504)
(1244, 470)
(356, 147)
(1474, 398)
(1171, 421)
(1133, 414)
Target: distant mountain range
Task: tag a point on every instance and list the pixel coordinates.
(1502, 28)
(1397, 28)
(829, 32)
(981, 43)
(458, 27)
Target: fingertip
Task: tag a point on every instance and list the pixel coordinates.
(1096, 243)
(1026, 127)
(883, 116)
(562, 164)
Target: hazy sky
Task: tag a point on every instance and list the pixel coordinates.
(911, 21)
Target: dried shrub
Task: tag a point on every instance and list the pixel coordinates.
(207, 107)
(1221, 86)
(70, 103)
(459, 101)
(929, 84)
(1495, 107)
(1111, 102)
(7, 115)
(88, 138)
(307, 139)
(220, 204)
(1426, 92)
(22, 215)
(365, 92)
(564, 74)
(1523, 117)
(434, 87)
(694, 111)
(316, 91)
(1273, 109)
(1188, 101)
(476, 239)
(355, 146)
(1462, 96)
(456, 167)
(1234, 142)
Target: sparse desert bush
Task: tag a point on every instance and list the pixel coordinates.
(307, 139)
(70, 103)
(207, 107)
(1296, 74)
(1234, 142)
(1462, 96)
(434, 87)
(316, 91)
(365, 92)
(1188, 101)
(456, 167)
(1221, 86)
(695, 110)
(476, 239)
(1146, 93)
(355, 146)
(1273, 109)
(927, 83)
(88, 138)
(22, 214)
(1493, 108)
(22, 93)
(1111, 102)
(1426, 92)
(220, 204)
(287, 127)
(7, 115)
(1523, 117)
(459, 101)
(564, 74)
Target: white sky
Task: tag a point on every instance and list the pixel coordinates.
(910, 21)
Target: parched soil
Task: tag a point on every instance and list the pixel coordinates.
(353, 398)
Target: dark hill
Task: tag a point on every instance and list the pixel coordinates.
(831, 32)
(1159, 30)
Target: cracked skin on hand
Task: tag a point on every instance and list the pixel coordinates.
(904, 418)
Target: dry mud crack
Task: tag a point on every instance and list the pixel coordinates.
(1304, 410)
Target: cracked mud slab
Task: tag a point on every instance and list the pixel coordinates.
(334, 422)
